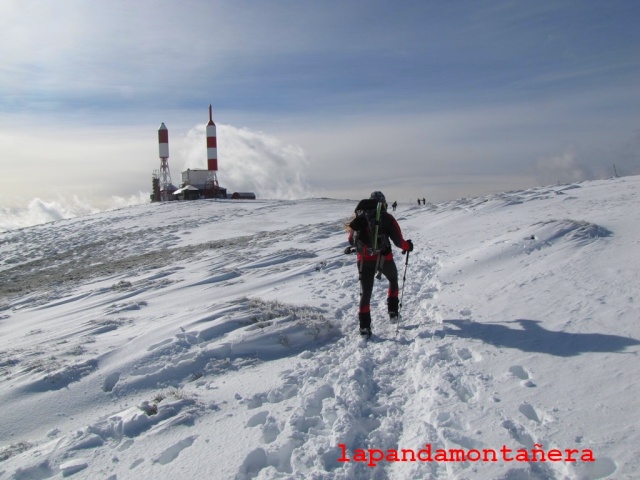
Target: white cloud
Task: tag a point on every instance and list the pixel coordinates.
(563, 168)
(250, 161)
(127, 201)
(40, 211)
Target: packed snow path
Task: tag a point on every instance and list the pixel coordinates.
(219, 340)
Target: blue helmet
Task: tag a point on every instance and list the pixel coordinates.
(379, 196)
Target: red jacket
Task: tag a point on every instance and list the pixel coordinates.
(389, 227)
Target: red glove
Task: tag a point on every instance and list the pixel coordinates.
(407, 246)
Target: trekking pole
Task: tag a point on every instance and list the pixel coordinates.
(404, 278)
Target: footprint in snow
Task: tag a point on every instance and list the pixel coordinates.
(518, 433)
(258, 419)
(603, 467)
(259, 459)
(270, 429)
(528, 411)
(110, 382)
(466, 354)
(275, 395)
(171, 453)
(519, 372)
(465, 392)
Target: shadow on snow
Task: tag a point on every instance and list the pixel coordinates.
(532, 337)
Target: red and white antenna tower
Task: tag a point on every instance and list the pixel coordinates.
(212, 158)
(166, 186)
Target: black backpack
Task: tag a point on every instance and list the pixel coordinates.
(368, 236)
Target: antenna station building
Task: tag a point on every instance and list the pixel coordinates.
(196, 183)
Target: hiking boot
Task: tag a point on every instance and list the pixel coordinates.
(364, 318)
(392, 307)
(365, 332)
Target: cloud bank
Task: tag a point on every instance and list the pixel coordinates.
(40, 211)
(250, 161)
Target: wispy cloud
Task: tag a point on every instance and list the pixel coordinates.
(119, 53)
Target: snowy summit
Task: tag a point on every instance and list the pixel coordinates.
(219, 340)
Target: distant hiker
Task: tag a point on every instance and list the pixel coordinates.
(424, 202)
(394, 205)
(370, 232)
(418, 201)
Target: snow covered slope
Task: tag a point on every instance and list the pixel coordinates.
(218, 340)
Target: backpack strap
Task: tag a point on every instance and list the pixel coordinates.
(377, 227)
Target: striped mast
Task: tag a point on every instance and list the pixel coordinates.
(165, 175)
(212, 155)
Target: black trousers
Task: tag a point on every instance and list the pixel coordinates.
(367, 278)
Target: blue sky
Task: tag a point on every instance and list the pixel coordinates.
(437, 99)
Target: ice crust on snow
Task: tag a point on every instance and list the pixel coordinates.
(218, 339)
